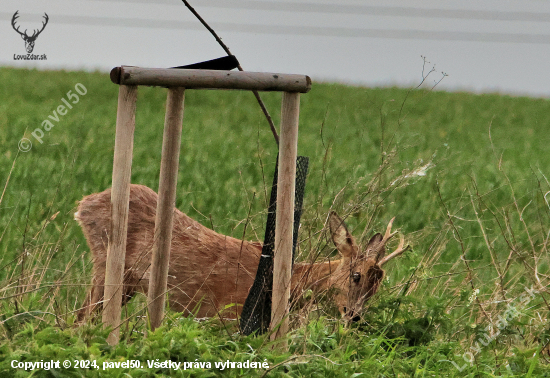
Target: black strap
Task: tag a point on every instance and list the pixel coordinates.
(225, 63)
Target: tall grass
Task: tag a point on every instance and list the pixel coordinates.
(466, 177)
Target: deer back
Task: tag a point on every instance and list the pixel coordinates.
(205, 267)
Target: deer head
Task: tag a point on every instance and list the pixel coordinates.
(29, 40)
(359, 273)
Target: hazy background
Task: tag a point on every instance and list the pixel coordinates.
(483, 45)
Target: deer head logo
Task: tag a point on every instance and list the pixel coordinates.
(29, 39)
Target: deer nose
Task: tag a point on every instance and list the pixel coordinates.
(352, 315)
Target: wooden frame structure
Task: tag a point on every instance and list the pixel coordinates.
(177, 80)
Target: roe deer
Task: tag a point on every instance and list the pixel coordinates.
(213, 270)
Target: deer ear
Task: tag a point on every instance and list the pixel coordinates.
(375, 249)
(343, 240)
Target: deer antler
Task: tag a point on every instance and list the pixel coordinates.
(36, 32)
(16, 16)
(388, 235)
(377, 245)
(399, 250)
(379, 249)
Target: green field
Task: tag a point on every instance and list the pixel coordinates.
(465, 175)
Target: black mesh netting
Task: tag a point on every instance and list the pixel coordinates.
(256, 314)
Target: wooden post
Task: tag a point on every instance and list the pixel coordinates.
(120, 195)
(128, 78)
(203, 79)
(165, 206)
(282, 266)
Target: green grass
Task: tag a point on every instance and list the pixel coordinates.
(478, 219)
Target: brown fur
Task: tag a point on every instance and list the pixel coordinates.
(208, 271)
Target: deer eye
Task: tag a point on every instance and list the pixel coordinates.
(356, 276)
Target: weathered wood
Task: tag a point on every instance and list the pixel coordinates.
(165, 206)
(282, 264)
(210, 79)
(122, 167)
(177, 79)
